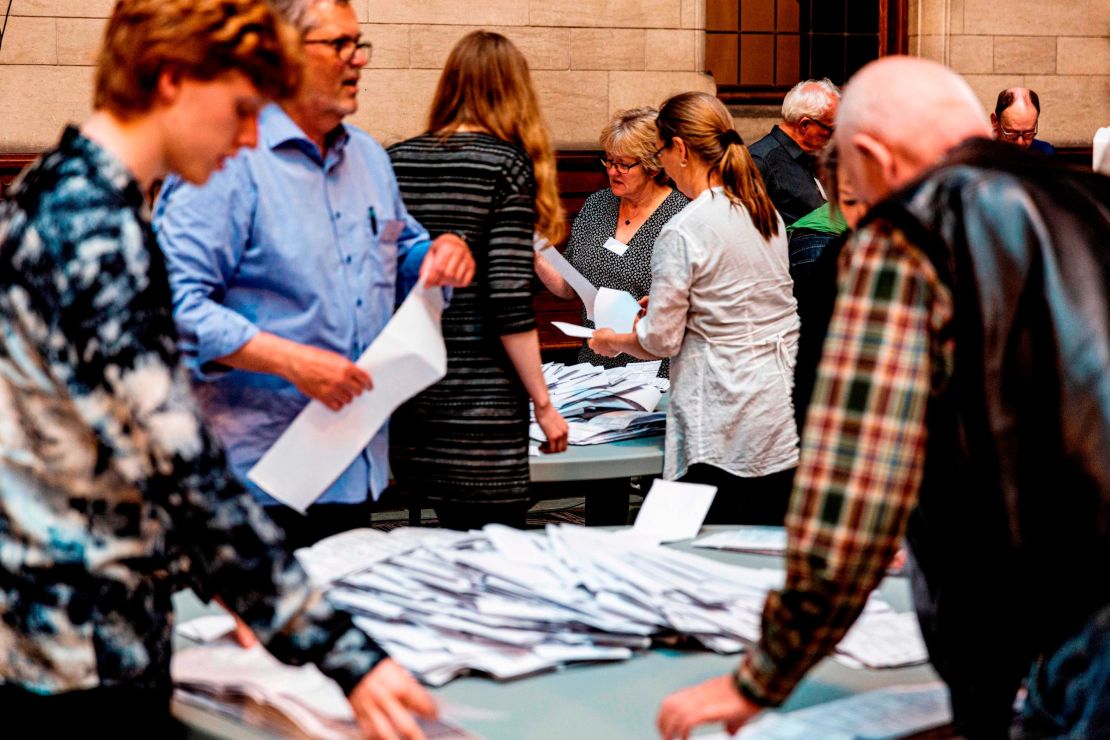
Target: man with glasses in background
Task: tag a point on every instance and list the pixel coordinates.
(288, 264)
(786, 157)
(1016, 116)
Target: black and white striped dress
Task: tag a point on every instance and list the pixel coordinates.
(465, 439)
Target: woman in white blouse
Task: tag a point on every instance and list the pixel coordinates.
(722, 306)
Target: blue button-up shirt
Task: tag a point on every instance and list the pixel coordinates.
(314, 250)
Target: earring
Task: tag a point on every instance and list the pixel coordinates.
(682, 163)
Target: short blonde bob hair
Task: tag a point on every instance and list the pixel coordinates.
(632, 133)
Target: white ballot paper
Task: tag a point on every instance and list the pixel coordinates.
(896, 711)
(573, 330)
(673, 511)
(1100, 151)
(407, 357)
(615, 309)
(583, 287)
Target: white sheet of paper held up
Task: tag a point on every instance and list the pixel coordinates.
(407, 357)
(573, 330)
(673, 511)
(583, 287)
(615, 309)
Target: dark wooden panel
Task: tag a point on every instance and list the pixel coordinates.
(10, 166)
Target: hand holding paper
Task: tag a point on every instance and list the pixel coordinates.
(407, 357)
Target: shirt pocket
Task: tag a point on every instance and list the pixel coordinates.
(383, 250)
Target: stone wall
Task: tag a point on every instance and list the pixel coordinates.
(589, 58)
(1060, 48)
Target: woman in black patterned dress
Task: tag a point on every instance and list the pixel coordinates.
(613, 234)
(485, 171)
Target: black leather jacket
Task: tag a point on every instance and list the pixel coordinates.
(1011, 535)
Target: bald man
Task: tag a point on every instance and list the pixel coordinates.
(963, 400)
(1015, 119)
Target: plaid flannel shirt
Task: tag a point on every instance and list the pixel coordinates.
(862, 455)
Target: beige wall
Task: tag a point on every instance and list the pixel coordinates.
(589, 57)
(1060, 48)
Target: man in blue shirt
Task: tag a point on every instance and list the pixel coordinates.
(288, 264)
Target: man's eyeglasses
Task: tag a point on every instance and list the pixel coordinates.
(1009, 135)
(624, 169)
(346, 47)
(830, 130)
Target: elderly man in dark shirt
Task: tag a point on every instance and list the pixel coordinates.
(786, 157)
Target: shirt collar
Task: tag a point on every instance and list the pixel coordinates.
(791, 146)
(278, 129)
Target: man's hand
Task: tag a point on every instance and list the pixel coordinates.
(385, 700)
(554, 427)
(330, 378)
(448, 262)
(715, 700)
(603, 342)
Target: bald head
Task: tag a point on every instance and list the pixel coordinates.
(898, 117)
(1016, 115)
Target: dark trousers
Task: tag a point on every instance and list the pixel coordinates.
(761, 500)
(467, 515)
(319, 521)
(117, 712)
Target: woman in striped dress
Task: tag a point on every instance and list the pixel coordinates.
(484, 170)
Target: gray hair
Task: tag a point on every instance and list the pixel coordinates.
(809, 99)
(298, 13)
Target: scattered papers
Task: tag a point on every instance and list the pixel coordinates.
(883, 640)
(583, 287)
(605, 405)
(615, 309)
(510, 603)
(207, 628)
(227, 678)
(407, 357)
(573, 330)
(673, 511)
(749, 538)
(357, 549)
(892, 712)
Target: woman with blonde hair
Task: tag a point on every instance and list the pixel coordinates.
(612, 237)
(722, 309)
(484, 170)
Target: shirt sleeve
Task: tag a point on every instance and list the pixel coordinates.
(508, 266)
(203, 232)
(674, 262)
(120, 366)
(862, 457)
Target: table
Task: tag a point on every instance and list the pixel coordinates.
(614, 701)
(624, 459)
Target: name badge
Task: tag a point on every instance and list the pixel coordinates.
(616, 247)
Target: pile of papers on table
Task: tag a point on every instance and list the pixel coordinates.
(605, 405)
(509, 603)
(252, 687)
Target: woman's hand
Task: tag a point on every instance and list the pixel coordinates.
(554, 427)
(604, 342)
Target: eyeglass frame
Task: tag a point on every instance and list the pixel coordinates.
(1026, 135)
(830, 130)
(623, 169)
(338, 43)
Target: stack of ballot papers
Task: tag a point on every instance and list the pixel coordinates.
(749, 538)
(254, 688)
(508, 603)
(605, 405)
